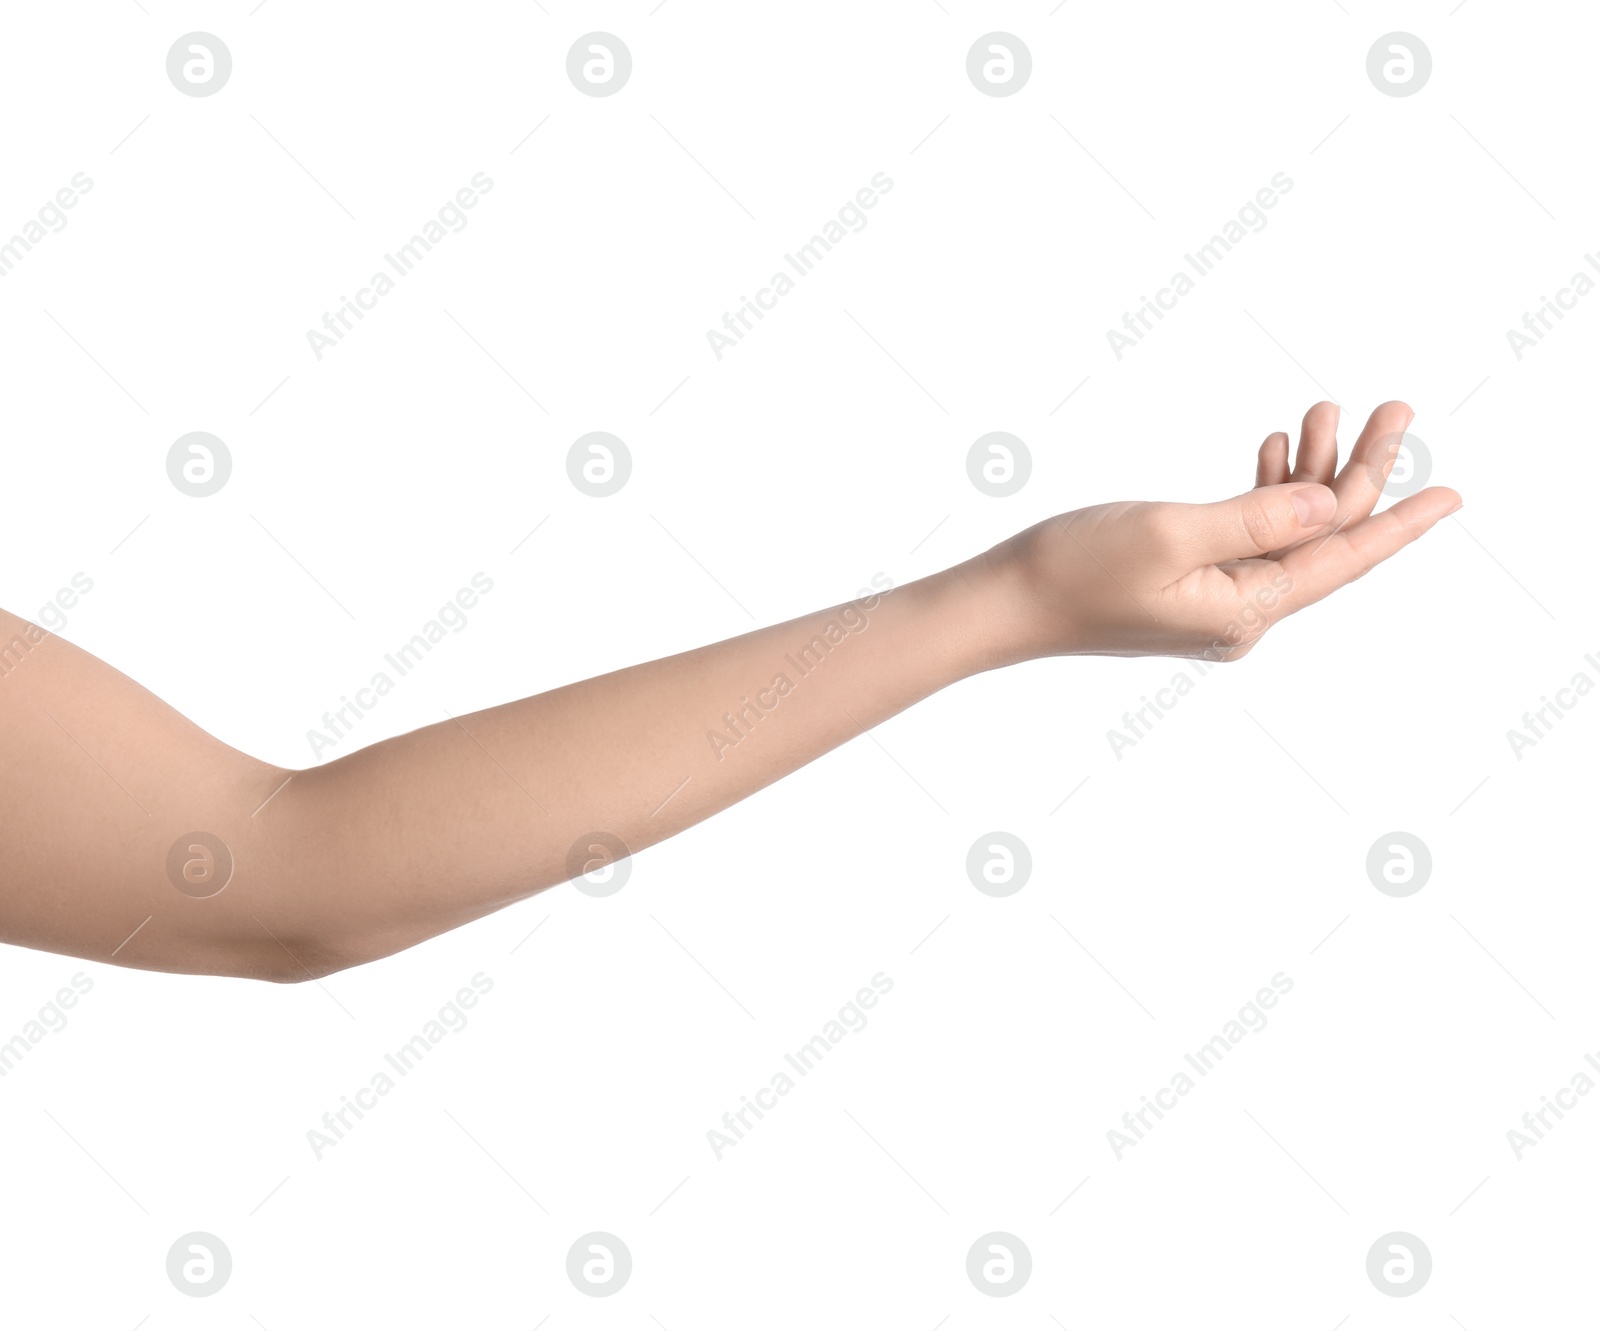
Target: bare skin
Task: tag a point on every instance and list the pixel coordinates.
(378, 850)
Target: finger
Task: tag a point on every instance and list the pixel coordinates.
(1250, 525)
(1318, 454)
(1322, 566)
(1361, 482)
(1272, 462)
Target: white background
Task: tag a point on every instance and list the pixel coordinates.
(370, 485)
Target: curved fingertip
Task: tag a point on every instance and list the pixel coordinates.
(1318, 454)
(1321, 419)
(1272, 459)
(1392, 415)
(1436, 493)
(1427, 507)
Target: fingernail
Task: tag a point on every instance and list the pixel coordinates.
(1313, 505)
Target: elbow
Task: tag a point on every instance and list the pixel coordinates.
(296, 956)
(289, 972)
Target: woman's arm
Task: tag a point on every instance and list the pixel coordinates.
(131, 835)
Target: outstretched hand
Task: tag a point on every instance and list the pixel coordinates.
(1207, 580)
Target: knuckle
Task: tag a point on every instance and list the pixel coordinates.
(1156, 531)
(1256, 525)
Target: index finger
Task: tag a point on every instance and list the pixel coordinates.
(1323, 565)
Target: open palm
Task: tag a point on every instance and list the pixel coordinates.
(1133, 579)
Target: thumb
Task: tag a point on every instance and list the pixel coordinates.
(1265, 519)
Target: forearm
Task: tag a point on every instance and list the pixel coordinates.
(430, 829)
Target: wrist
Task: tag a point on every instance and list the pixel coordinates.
(991, 612)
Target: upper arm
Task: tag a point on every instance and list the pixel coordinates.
(101, 790)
